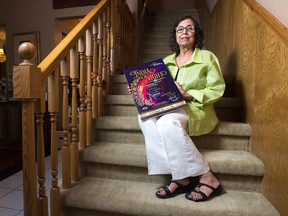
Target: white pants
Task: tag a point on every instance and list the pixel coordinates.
(170, 149)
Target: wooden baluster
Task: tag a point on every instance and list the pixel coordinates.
(42, 198)
(113, 37)
(82, 110)
(89, 87)
(74, 122)
(66, 150)
(117, 21)
(26, 85)
(128, 39)
(123, 44)
(103, 82)
(128, 42)
(54, 191)
(132, 43)
(108, 52)
(100, 63)
(104, 57)
(94, 72)
(120, 53)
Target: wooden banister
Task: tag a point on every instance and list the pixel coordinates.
(42, 197)
(74, 77)
(52, 60)
(66, 149)
(74, 117)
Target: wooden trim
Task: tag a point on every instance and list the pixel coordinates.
(280, 29)
(213, 9)
(60, 4)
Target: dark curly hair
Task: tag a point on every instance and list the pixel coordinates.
(199, 35)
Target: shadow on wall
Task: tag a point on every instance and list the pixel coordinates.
(237, 86)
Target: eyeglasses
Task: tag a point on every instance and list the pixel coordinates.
(189, 28)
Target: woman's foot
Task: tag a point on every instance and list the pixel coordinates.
(208, 186)
(175, 188)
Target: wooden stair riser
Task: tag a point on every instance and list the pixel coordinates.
(206, 142)
(120, 88)
(139, 174)
(124, 110)
(226, 136)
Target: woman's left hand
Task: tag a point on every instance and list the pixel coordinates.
(184, 94)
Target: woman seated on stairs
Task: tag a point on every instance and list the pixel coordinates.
(169, 147)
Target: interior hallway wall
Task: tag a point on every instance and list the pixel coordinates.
(34, 15)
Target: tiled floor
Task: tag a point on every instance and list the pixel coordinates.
(11, 191)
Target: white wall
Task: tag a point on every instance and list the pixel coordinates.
(33, 15)
(279, 8)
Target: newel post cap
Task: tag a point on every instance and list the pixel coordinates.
(27, 52)
(27, 76)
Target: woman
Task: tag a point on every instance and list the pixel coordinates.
(169, 147)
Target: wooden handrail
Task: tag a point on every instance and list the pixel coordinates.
(280, 29)
(53, 59)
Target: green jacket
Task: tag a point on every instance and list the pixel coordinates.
(202, 78)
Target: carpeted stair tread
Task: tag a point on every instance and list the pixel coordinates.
(230, 102)
(117, 123)
(133, 198)
(120, 79)
(234, 162)
(115, 153)
(227, 108)
(220, 161)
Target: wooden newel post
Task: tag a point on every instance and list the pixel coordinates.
(27, 87)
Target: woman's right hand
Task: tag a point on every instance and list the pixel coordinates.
(129, 90)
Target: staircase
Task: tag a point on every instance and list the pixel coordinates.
(114, 168)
